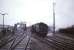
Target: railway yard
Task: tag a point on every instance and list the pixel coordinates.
(36, 24)
(24, 40)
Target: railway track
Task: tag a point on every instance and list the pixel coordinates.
(6, 41)
(48, 43)
(62, 44)
(16, 41)
(57, 43)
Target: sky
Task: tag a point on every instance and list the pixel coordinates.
(34, 11)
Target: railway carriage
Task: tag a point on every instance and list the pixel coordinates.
(40, 29)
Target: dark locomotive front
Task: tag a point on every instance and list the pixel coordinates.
(40, 29)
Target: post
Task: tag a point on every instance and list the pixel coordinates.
(53, 18)
(3, 18)
(3, 21)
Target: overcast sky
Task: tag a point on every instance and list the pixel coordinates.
(33, 11)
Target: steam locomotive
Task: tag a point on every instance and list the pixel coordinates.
(40, 29)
